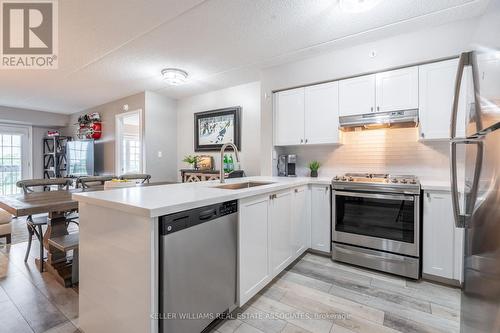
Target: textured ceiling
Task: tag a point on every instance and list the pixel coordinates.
(114, 48)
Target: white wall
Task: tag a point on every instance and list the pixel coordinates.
(406, 49)
(248, 97)
(160, 134)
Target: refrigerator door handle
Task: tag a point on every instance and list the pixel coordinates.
(461, 220)
(462, 62)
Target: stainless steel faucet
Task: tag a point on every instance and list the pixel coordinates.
(224, 146)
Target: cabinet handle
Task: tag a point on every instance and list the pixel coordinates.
(306, 140)
(296, 190)
(378, 108)
(422, 135)
(301, 141)
(428, 195)
(371, 109)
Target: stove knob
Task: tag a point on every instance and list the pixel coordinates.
(351, 179)
(344, 179)
(404, 181)
(336, 178)
(413, 181)
(394, 180)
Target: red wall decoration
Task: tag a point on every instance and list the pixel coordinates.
(89, 126)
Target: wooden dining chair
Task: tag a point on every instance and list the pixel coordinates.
(35, 223)
(143, 177)
(87, 182)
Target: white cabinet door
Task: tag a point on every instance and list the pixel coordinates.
(280, 229)
(397, 90)
(322, 113)
(442, 242)
(300, 221)
(289, 117)
(436, 92)
(320, 218)
(253, 245)
(357, 95)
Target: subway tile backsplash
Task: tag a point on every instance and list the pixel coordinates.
(396, 151)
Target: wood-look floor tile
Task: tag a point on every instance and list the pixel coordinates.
(336, 304)
(409, 326)
(359, 286)
(38, 311)
(262, 320)
(245, 328)
(66, 327)
(402, 311)
(295, 316)
(228, 326)
(11, 319)
(290, 328)
(306, 281)
(340, 329)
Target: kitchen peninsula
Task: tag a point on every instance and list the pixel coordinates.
(119, 241)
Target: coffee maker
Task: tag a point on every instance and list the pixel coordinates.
(286, 165)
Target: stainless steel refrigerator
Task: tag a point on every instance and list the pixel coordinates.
(476, 199)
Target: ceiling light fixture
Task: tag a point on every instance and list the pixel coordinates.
(174, 76)
(357, 6)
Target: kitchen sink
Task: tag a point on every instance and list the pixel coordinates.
(239, 186)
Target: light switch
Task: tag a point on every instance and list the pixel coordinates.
(160, 154)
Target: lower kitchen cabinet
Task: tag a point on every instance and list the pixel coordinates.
(280, 205)
(443, 244)
(320, 218)
(273, 231)
(301, 221)
(253, 246)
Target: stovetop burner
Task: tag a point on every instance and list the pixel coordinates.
(382, 181)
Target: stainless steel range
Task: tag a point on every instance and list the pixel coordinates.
(376, 222)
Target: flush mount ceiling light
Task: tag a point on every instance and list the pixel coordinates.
(174, 76)
(357, 6)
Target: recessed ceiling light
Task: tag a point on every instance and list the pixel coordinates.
(174, 76)
(357, 6)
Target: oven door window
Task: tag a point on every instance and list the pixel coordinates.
(383, 218)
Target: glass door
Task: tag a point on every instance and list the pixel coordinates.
(129, 143)
(15, 155)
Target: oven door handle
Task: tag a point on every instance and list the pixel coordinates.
(375, 195)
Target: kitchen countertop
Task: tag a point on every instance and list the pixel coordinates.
(159, 200)
(435, 185)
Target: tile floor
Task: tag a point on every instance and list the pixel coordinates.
(315, 295)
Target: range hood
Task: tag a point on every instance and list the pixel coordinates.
(404, 118)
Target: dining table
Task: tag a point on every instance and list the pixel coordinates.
(57, 204)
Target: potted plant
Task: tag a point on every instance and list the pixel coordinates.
(191, 160)
(314, 166)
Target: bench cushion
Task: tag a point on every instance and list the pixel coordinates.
(5, 217)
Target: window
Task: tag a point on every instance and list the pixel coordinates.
(14, 158)
(129, 152)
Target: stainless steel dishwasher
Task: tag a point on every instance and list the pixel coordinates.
(198, 255)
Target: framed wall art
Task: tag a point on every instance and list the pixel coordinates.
(217, 127)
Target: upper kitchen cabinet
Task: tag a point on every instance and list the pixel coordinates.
(307, 115)
(322, 113)
(289, 117)
(382, 92)
(357, 95)
(397, 90)
(436, 90)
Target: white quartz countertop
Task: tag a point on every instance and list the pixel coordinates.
(153, 201)
(435, 185)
